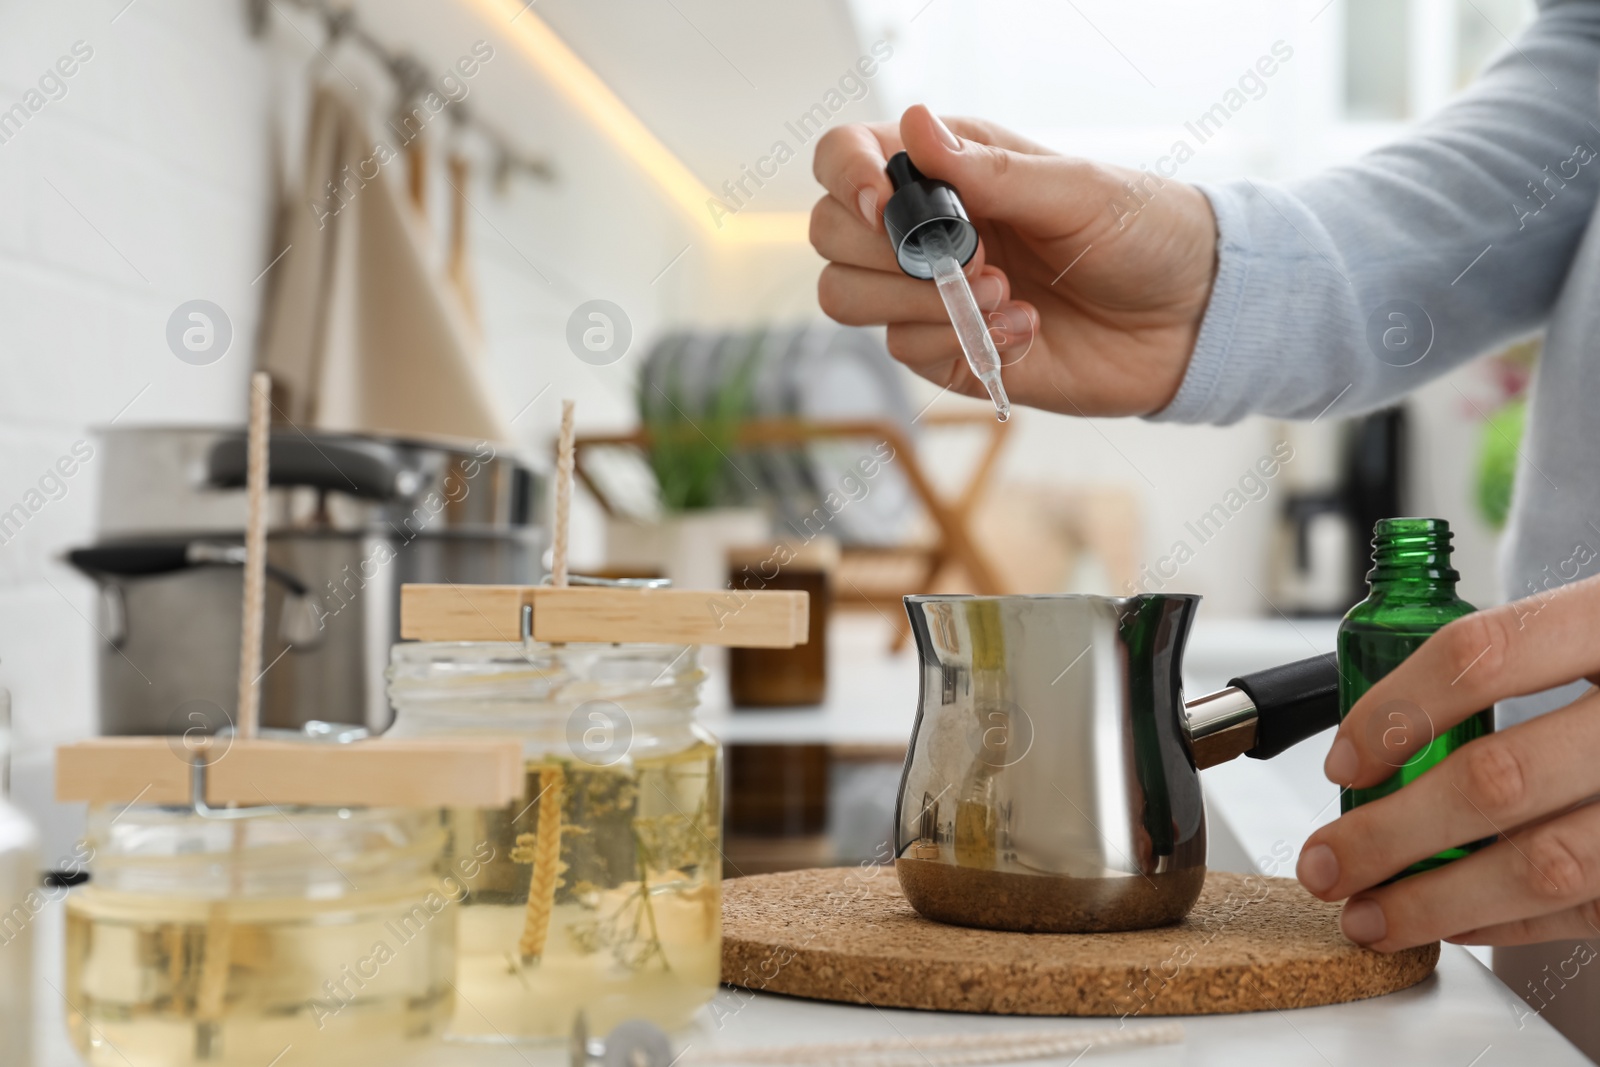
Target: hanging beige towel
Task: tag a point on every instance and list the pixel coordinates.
(460, 263)
(362, 336)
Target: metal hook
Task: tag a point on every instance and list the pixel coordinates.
(197, 796)
(317, 731)
(611, 583)
(336, 22)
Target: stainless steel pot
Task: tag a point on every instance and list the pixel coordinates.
(1051, 782)
(351, 518)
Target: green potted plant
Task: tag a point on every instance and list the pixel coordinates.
(707, 499)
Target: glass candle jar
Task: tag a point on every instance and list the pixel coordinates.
(201, 941)
(602, 892)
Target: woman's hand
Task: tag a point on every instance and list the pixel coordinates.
(1530, 784)
(1095, 278)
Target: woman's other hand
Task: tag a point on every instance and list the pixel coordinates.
(1532, 785)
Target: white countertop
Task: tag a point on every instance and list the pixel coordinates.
(1461, 1017)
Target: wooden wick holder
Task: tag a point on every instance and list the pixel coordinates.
(423, 773)
(605, 615)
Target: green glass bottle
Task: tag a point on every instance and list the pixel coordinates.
(1412, 593)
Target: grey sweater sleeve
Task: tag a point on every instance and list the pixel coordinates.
(1361, 283)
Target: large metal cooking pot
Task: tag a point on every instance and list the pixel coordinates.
(351, 518)
(1051, 782)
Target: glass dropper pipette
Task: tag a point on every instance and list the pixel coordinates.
(965, 316)
(933, 239)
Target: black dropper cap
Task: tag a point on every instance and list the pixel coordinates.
(920, 201)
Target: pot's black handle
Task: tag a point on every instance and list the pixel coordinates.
(135, 558)
(1293, 702)
(370, 470)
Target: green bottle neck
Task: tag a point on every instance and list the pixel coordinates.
(1411, 560)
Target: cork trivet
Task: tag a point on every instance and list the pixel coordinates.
(1251, 943)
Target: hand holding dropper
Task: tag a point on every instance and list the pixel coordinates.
(933, 239)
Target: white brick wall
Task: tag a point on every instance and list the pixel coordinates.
(144, 186)
(150, 182)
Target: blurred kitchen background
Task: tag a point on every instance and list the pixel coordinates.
(547, 156)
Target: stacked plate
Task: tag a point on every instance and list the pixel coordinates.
(819, 372)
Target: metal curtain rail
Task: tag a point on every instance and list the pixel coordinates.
(411, 78)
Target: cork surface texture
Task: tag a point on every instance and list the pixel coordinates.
(1250, 944)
